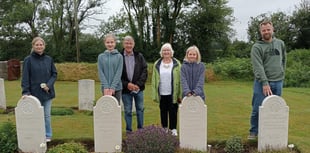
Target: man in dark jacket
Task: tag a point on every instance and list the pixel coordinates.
(134, 77)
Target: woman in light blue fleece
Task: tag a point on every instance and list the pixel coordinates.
(193, 74)
(110, 68)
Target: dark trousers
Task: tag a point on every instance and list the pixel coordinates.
(168, 110)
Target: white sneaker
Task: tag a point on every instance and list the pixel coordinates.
(174, 132)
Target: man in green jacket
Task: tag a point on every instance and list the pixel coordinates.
(268, 57)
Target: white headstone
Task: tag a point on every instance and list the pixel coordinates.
(193, 123)
(273, 124)
(86, 94)
(2, 94)
(107, 125)
(30, 125)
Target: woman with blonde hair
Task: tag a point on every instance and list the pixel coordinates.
(38, 78)
(193, 74)
(110, 68)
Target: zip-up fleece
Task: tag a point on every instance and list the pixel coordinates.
(175, 83)
(38, 69)
(110, 67)
(192, 78)
(269, 60)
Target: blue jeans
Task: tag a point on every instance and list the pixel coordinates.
(47, 117)
(139, 102)
(257, 99)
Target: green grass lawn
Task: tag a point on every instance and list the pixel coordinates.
(228, 103)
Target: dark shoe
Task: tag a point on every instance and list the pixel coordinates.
(252, 136)
(128, 133)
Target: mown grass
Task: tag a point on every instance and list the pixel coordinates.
(228, 102)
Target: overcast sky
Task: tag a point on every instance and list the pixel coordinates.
(243, 10)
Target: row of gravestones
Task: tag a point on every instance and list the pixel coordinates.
(273, 124)
(108, 125)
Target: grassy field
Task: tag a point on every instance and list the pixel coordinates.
(228, 102)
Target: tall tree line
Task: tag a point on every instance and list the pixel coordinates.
(20, 21)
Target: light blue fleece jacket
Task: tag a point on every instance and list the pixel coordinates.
(110, 67)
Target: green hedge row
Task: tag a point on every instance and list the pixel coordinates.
(297, 72)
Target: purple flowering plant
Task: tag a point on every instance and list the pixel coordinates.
(151, 139)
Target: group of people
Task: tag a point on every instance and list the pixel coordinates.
(123, 75)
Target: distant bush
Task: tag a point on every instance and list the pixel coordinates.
(234, 145)
(71, 147)
(8, 138)
(76, 71)
(234, 68)
(298, 69)
(151, 139)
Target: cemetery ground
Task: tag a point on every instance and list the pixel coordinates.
(228, 104)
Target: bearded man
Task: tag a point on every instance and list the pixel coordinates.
(268, 57)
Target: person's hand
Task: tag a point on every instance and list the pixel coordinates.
(267, 91)
(107, 92)
(136, 88)
(112, 91)
(130, 86)
(44, 87)
(24, 96)
(179, 100)
(189, 94)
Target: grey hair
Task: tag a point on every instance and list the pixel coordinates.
(166, 45)
(128, 38)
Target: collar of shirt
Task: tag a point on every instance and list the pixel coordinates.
(126, 54)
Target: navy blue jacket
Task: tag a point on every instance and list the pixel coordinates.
(38, 69)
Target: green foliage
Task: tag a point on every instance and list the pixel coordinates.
(62, 111)
(240, 49)
(234, 145)
(281, 23)
(151, 139)
(301, 22)
(234, 68)
(70, 147)
(211, 17)
(298, 69)
(8, 137)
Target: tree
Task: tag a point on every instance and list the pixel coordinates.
(240, 49)
(60, 19)
(19, 24)
(282, 27)
(206, 25)
(51, 19)
(301, 23)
